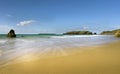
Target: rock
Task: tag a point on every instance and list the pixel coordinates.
(95, 33)
(117, 34)
(107, 33)
(78, 33)
(11, 34)
(110, 32)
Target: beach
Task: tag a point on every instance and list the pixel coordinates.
(93, 59)
(59, 37)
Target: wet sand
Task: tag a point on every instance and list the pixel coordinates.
(102, 59)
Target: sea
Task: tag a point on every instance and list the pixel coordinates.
(39, 44)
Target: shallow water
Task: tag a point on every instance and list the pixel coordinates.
(12, 49)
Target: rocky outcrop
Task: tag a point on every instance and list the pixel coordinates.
(95, 33)
(117, 34)
(109, 32)
(78, 33)
(11, 34)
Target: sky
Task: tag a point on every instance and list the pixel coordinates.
(58, 16)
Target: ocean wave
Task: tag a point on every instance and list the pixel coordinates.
(73, 36)
(3, 41)
(18, 47)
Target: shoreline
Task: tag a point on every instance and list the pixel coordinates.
(101, 59)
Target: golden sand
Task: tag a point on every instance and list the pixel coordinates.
(103, 59)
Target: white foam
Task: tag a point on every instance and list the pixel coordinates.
(40, 46)
(73, 36)
(3, 41)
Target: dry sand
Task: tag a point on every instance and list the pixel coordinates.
(103, 59)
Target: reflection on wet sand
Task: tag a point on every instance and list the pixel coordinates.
(71, 55)
(101, 59)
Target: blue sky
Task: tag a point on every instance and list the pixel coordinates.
(58, 16)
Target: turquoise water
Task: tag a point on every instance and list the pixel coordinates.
(38, 45)
(64, 41)
(31, 35)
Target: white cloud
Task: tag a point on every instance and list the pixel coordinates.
(24, 23)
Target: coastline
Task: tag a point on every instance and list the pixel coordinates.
(103, 59)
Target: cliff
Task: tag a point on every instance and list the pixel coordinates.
(78, 33)
(117, 34)
(110, 32)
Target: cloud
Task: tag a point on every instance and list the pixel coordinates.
(24, 23)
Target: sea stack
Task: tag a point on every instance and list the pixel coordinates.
(11, 34)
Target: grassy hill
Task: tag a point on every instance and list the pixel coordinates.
(78, 33)
(110, 32)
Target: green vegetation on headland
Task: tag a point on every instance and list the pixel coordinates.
(79, 33)
(110, 32)
(113, 32)
(116, 32)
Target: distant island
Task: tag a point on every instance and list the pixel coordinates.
(79, 33)
(46, 34)
(50, 34)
